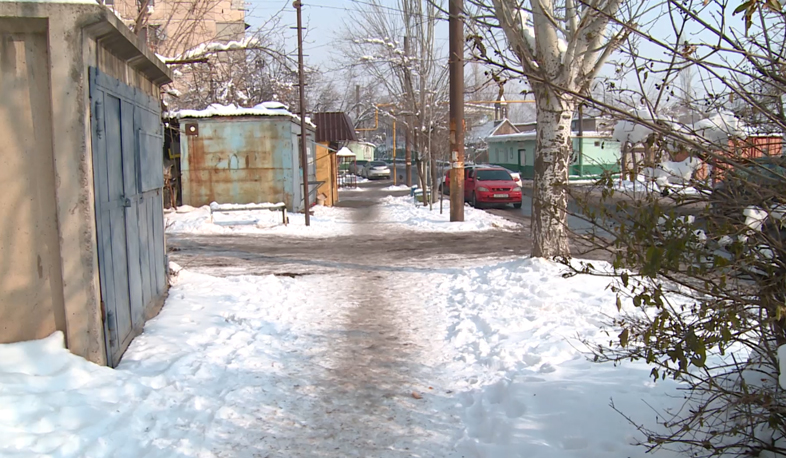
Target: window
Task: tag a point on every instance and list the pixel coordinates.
(493, 175)
(597, 143)
(238, 5)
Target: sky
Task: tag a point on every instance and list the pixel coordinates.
(324, 20)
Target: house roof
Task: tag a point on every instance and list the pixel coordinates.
(481, 132)
(334, 126)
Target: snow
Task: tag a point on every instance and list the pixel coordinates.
(395, 214)
(528, 388)
(717, 128)
(628, 131)
(754, 217)
(782, 366)
(206, 49)
(241, 366)
(263, 109)
(400, 187)
(345, 152)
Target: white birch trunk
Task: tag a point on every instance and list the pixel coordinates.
(550, 201)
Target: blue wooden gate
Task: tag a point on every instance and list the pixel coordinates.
(128, 176)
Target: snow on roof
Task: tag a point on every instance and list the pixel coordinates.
(345, 152)
(531, 135)
(263, 109)
(716, 128)
(205, 49)
(479, 133)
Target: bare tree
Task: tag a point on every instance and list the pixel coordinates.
(396, 50)
(560, 47)
(700, 254)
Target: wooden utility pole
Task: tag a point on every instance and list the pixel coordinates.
(357, 104)
(456, 64)
(303, 131)
(408, 151)
(395, 171)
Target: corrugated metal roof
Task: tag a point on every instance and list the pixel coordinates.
(334, 127)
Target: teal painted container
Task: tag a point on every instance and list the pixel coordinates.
(244, 159)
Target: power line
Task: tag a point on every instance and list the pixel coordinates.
(388, 8)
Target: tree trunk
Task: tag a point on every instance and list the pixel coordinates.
(552, 158)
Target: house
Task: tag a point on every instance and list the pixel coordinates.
(475, 147)
(364, 151)
(230, 154)
(82, 239)
(594, 151)
(333, 129)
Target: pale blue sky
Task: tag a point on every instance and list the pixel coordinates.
(325, 20)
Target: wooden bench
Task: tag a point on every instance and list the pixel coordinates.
(236, 208)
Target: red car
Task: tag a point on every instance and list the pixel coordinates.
(488, 185)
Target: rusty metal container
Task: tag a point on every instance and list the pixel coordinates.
(244, 159)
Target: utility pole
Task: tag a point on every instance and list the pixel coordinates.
(456, 64)
(303, 131)
(395, 172)
(357, 103)
(408, 151)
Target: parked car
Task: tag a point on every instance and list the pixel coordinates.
(356, 167)
(376, 169)
(487, 184)
(445, 185)
(491, 185)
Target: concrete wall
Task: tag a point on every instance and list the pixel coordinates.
(31, 280)
(48, 259)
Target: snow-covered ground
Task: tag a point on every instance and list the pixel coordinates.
(478, 363)
(392, 213)
(528, 388)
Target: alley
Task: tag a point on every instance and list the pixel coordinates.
(372, 383)
(381, 331)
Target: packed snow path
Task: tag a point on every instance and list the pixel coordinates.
(372, 343)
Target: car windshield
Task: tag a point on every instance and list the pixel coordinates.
(493, 175)
(378, 164)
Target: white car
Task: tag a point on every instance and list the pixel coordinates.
(376, 169)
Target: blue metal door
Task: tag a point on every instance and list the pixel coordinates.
(128, 177)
